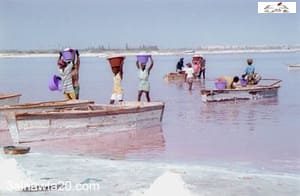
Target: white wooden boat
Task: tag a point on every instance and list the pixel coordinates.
(39, 107)
(294, 67)
(249, 92)
(96, 118)
(9, 98)
(174, 76)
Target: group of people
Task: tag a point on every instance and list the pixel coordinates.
(197, 68)
(198, 63)
(69, 71)
(143, 76)
(192, 70)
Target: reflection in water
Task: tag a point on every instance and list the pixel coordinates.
(178, 83)
(182, 85)
(202, 84)
(240, 113)
(231, 131)
(118, 145)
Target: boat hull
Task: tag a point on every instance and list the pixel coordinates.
(9, 99)
(37, 126)
(247, 93)
(174, 77)
(294, 67)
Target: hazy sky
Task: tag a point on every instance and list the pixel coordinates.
(54, 24)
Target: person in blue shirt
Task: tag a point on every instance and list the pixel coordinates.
(250, 75)
(250, 69)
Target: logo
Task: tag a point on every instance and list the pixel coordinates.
(276, 7)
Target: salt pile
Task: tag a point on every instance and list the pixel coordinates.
(169, 183)
(12, 176)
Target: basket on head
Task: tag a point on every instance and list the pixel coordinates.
(54, 83)
(68, 54)
(142, 58)
(116, 61)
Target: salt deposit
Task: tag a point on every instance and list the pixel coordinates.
(169, 183)
(13, 177)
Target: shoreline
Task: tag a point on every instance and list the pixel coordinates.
(159, 53)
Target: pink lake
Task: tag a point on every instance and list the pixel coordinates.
(261, 133)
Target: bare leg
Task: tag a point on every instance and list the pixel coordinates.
(140, 95)
(76, 89)
(70, 96)
(190, 85)
(199, 76)
(147, 96)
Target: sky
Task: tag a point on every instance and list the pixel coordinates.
(55, 24)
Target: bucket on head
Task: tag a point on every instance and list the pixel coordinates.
(68, 55)
(55, 83)
(220, 85)
(142, 58)
(116, 61)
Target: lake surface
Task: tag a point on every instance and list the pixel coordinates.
(214, 145)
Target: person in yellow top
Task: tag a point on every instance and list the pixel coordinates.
(117, 92)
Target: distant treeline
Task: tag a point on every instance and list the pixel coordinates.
(98, 49)
(102, 49)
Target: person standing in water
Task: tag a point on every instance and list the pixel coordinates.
(143, 75)
(202, 67)
(190, 75)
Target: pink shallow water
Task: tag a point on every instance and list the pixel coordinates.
(260, 132)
